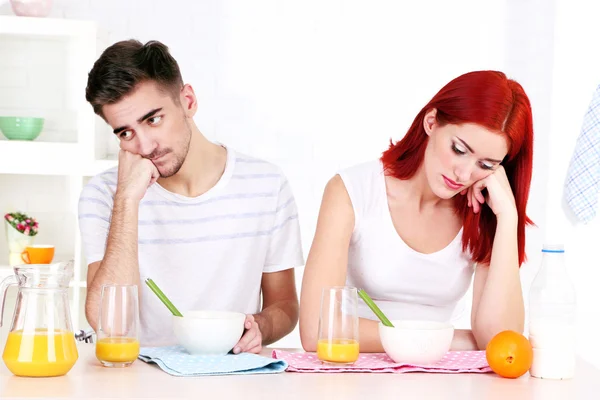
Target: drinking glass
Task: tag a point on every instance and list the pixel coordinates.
(118, 326)
(338, 326)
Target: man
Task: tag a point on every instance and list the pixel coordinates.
(214, 229)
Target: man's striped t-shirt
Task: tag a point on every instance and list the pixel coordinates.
(207, 252)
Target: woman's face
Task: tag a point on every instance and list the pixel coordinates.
(457, 156)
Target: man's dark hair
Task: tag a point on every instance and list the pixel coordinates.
(124, 65)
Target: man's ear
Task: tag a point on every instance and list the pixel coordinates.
(188, 100)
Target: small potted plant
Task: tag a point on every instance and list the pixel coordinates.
(20, 232)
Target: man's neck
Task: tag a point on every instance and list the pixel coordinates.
(201, 170)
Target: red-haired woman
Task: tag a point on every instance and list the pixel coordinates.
(443, 204)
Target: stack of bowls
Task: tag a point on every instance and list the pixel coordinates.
(21, 128)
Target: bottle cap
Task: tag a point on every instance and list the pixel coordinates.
(553, 248)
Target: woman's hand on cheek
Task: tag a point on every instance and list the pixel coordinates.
(499, 197)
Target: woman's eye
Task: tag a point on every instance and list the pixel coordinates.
(486, 166)
(457, 149)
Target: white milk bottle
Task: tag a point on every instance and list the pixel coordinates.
(552, 312)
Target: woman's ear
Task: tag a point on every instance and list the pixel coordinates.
(429, 121)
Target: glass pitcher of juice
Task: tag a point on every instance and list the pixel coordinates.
(41, 341)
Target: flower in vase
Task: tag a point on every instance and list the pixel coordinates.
(22, 223)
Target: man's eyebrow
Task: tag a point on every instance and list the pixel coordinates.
(148, 115)
(140, 120)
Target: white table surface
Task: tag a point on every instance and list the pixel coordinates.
(88, 379)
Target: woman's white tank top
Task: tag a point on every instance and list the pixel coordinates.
(404, 283)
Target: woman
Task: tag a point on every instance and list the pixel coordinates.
(445, 202)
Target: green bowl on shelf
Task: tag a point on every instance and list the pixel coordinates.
(21, 128)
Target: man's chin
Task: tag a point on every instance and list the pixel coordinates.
(168, 171)
(165, 174)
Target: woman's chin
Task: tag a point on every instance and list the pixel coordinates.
(445, 193)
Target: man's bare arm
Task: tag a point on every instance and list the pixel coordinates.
(120, 264)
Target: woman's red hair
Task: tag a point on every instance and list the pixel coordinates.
(489, 99)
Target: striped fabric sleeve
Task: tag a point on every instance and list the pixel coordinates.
(95, 209)
(285, 247)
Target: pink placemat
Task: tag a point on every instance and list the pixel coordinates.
(453, 362)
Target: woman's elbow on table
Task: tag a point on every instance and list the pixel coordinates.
(483, 333)
(308, 335)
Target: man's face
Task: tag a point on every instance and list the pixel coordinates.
(151, 123)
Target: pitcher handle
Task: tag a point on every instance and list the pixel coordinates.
(6, 283)
(25, 257)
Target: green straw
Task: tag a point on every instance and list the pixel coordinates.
(163, 298)
(363, 295)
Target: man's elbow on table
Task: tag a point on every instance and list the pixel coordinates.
(91, 312)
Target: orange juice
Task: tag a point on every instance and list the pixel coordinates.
(117, 350)
(338, 350)
(40, 354)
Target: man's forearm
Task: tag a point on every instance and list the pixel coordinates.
(120, 263)
(277, 320)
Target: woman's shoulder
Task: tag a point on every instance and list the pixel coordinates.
(363, 170)
(364, 185)
(362, 176)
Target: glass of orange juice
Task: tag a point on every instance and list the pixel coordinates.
(118, 325)
(338, 326)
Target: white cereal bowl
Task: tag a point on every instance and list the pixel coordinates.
(416, 342)
(208, 332)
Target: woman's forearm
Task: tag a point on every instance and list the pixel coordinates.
(501, 305)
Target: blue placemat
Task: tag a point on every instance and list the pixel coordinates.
(174, 360)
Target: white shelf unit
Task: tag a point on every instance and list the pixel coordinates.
(44, 65)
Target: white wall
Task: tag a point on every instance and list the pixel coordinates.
(576, 74)
(321, 84)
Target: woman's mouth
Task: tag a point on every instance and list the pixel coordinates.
(451, 184)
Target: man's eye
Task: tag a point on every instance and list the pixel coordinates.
(126, 135)
(155, 120)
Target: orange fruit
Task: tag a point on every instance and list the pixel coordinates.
(509, 354)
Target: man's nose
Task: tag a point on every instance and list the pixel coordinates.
(146, 145)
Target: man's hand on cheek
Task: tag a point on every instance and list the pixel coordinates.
(136, 174)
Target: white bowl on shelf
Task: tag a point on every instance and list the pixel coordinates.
(416, 342)
(208, 332)
(31, 8)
